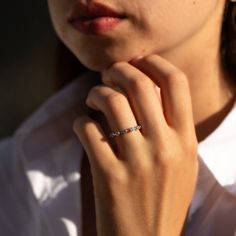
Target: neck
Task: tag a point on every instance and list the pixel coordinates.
(199, 58)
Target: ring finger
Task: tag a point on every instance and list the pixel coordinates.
(115, 106)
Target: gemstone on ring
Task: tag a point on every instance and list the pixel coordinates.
(124, 131)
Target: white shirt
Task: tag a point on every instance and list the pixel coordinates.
(40, 175)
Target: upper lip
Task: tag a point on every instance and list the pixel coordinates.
(91, 11)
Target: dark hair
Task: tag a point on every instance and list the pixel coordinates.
(228, 41)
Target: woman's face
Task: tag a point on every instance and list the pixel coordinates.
(99, 36)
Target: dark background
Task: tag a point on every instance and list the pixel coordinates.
(27, 51)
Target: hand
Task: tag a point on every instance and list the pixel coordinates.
(144, 187)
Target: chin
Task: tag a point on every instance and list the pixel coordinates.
(102, 61)
(100, 55)
(95, 63)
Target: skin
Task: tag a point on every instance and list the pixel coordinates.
(144, 182)
(155, 27)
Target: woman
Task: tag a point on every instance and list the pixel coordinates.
(160, 103)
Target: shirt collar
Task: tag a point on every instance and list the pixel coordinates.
(217, 162)
(218, 150)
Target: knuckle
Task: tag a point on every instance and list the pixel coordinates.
(165, 159)
(113, 99)
(137, 83)
(82, 126)
(177, 77)
(168, 158)
(110, 98)
(93, 92)
(93, 96)
(117, 66)
(88, 128)
(151, 58)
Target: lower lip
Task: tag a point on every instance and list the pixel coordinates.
(96, 26)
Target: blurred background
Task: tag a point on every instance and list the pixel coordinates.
(28, 61)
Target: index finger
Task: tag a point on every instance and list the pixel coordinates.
(175, 92)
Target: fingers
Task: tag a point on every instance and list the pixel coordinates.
(95, 143)
(115, 106)
(175, 91)
(138, 102)
(135, 80)
(142, 95)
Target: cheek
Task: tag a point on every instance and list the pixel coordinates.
(59, 11)
(172, 22)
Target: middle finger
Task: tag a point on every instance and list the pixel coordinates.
(142, 93)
